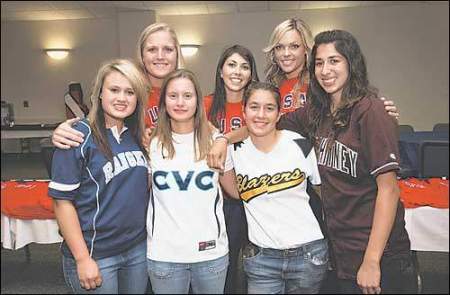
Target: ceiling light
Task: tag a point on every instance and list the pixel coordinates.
(57, 53)
(189, 49)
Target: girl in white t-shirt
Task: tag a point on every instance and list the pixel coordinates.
(287, 251)
(187, 240)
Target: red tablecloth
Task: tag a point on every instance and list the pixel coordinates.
(431, 192)
(26, 200)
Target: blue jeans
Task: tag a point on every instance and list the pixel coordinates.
(292, 271)
(121, 274)
(175, 278)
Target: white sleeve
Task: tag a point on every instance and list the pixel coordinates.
(315, 176)
(229, 160)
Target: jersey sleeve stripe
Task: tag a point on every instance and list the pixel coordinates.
(395, 164)
(63, 187)
(85, 140)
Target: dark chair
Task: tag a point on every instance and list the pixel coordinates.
(47, 150)
(440, 127)
(405, 128)
(433, 158)
(47, 156)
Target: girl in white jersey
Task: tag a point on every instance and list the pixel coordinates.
(287, 251)
(187, 239)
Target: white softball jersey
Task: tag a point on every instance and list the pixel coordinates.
(185, 221)
(273, 188)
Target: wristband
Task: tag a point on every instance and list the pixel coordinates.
(222, 136)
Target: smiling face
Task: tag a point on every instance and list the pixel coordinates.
(261, 113)
(118, 99)
(331, 70)
(236, 73)
(181, 103)
(290, 54)
(159, 55)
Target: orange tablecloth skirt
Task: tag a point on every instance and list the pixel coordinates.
(26, 200)
(431, 192)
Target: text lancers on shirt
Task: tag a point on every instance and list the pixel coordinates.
(123, 161)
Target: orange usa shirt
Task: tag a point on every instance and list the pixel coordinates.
(288, 102)
(233, 114)
(151, 110)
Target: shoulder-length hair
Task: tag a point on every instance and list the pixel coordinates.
(274, 74)
(202, 129)
(134, 122)
(356, 87)
(153, 28)
(217, 111)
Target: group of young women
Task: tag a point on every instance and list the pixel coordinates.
(154, 170)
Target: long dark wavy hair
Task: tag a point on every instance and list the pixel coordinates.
(217, 111)
(356, 87)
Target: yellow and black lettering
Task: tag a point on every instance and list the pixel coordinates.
(251, 188)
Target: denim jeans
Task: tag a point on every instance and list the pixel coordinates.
(121, 274)
(398, 276)
(291, 271)
(206, 277)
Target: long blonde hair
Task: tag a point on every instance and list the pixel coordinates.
(134, 122)
(202, 129)
(273, 72)
(153, 28)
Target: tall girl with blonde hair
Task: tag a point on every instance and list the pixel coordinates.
(158, 54)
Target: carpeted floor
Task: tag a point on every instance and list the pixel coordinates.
(41, 275)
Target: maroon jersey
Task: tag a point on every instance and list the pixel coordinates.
(367, 148)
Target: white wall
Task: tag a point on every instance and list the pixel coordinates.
(29, 74)
(406, 48)
(131, 24)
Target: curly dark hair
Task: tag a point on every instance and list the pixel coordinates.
(356, 87)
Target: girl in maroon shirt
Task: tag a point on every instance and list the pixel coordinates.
(356, 142)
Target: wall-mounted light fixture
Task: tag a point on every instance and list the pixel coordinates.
(189, 49)
(57, 53)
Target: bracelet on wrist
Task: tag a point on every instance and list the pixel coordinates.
(222, 136)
